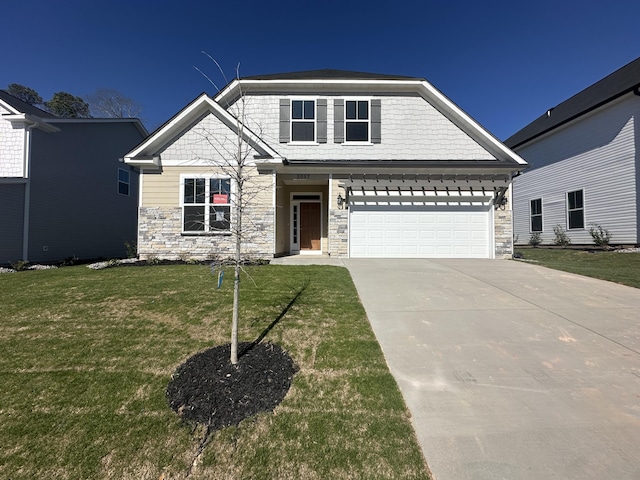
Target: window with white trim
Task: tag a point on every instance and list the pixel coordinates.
(303, 121)
(206, 204)
(575, 209)
(356, 120)
(536, 215)
(124, 181)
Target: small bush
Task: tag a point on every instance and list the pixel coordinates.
(601, 236)
(132, 249)
(535, 239)
(562, 239)
(19, 265)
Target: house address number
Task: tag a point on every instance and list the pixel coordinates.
(302, 176)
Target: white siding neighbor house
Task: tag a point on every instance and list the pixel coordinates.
(342, 163)
(584, 157)
(64, 191)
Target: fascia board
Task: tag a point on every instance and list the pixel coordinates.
(31, 121)
(9, 107)
(183, 120)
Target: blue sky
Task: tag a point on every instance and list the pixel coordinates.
(503, 62)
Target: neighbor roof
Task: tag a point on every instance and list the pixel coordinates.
(619, 83)
(24, 107)
(328, 74)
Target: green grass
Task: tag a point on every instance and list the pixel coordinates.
(616, 267)
(87, 355)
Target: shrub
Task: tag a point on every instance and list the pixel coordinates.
(562, 238)
(601, 236)
(19, 265)
(535, 239)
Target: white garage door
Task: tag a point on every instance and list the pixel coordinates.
(403, 232)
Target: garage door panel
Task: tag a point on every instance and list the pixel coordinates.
(411, 233)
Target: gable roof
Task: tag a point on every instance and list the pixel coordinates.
(620, 82)
(147, 153)
(18, 106)
(334, 81)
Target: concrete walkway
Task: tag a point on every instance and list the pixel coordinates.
(511, 371)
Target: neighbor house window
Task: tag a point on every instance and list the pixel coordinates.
(303, 121)
(356, 118)
(536, 215)
(575, 209)
(123, 181)
(206, 204)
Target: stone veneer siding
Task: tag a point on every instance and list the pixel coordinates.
(503, 233)
(160, 236)
(339, 233)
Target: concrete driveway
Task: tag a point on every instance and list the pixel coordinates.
(511, 371)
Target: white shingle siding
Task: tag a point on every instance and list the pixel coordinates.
(596, 154)
(412, 129)
(208, 142)
(11, 150)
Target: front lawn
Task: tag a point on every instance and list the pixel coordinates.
(87, 356)
(616, 267)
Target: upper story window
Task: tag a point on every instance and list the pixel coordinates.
(575, 209)
(303, 121)
(124, 181)
(206, 204)
(536, 215)
(356, 120)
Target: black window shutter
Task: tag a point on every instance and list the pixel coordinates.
(338, 121)
(376, 121)
(321, 136)
(285, 109)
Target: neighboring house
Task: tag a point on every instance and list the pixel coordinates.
(349, 164)
(64, 190)
(585, 164)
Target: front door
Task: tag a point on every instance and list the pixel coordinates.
(310, 224)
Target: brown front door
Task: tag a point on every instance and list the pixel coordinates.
(310, 226)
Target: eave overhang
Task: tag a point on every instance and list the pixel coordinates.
(25, 120)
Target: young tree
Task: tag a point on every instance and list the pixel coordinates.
(239, 166)
(109, 103)
(65, 105)
(26, 94)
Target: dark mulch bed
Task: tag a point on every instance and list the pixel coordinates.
(209, 390)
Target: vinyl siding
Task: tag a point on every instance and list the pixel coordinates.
(411, 128)
(596, 154)
(11, 215)
(11, 150)
(75, 206)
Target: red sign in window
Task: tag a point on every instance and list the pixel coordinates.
(220, 198)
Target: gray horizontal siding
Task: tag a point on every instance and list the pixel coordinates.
(11, 215)
(597, 155)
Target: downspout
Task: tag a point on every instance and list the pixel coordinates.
(27, 192)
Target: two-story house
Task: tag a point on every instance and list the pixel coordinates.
(64, 191)
(585, 165)
(339, 163)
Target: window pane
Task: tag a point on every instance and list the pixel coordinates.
(189, 192)
(536, 223)
(363, 110)
(309, 109)
(194, 219)
(351, 110)
(123, 188)
(575, 199)
(576, 219)
(357, 132)
(200, 186)
(302, 132)
(536, 206)
(296, 109)
(123, 175)
(219, 218)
